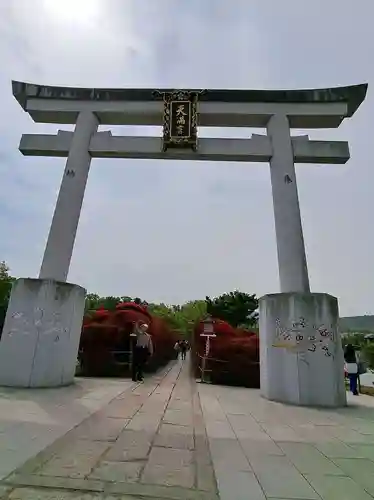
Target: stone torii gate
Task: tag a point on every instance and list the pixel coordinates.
(43, 324)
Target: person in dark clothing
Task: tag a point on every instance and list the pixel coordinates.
(140, 357)
(142, 349)
(183, 349)
(351, 364)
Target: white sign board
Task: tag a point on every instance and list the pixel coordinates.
(208, 328)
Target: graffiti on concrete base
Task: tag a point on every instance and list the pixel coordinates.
(302, 337)
(39, 322)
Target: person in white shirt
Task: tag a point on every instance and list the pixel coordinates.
(177, 348)
(143, 348)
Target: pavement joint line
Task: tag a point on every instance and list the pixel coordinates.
(197, 408)
(166, 372)
(161, 419)
(37, 461)
(116, 490)
(27, 475)
(241, 446)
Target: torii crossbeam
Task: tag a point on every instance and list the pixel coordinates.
(180, 113)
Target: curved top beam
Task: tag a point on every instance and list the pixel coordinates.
(352, 95)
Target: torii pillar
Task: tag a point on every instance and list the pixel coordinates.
(301, 355)
(44, 319)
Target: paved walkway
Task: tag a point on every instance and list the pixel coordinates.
(31, 419)
(170, 438)
(148, 442)
(262, 449)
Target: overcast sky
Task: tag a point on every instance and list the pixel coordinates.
(174, 231)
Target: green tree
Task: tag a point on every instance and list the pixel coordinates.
(180, 318)
(237, 308)
(356, 339)
(165, 312)
(192, 312)
(6, 281)
(368, 353)
(4, 271)
(94, 301)
(109, 302)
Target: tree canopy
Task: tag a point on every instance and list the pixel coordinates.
(6, 282)
(180, 318)
(237, 308)
(4, 271)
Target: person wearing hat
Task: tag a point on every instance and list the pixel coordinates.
(143, 348)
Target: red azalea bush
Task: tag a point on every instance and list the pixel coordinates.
(105, 341)
(164, 341)
(233, 357)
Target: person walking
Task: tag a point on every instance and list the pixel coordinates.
(143, 348)
(183, 348)
(177, 348)
(351, 366)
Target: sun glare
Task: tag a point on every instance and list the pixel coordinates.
(77, 11)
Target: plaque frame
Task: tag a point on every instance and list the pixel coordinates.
(180, 105)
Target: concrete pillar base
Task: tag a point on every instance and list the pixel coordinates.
(40, 339)
(301, 355)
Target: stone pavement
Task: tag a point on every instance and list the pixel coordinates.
(170, 438)
(149, 442)
(265, 450)
(31, 419)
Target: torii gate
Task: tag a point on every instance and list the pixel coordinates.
(180, 112)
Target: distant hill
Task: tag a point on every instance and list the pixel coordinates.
(357, 324)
